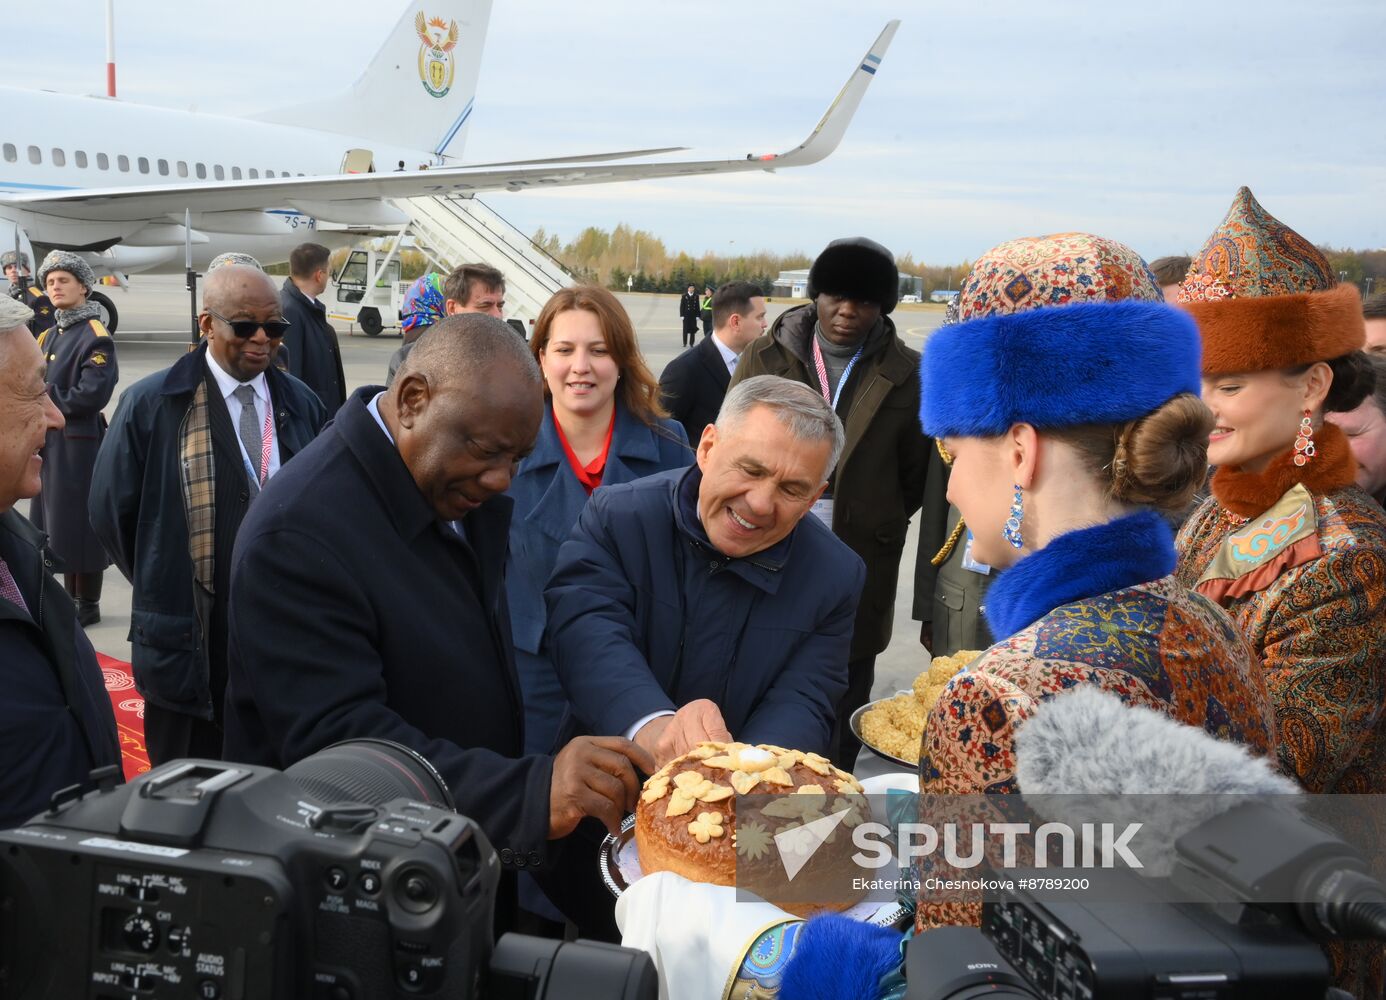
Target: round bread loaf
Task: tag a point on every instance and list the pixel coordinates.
(686, 820)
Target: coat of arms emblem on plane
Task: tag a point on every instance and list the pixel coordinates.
(436, 66)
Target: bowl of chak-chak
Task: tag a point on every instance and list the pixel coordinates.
(686, 820)
(893, 727)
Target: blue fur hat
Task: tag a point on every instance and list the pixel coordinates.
(1091, 363)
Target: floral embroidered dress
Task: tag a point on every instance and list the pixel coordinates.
(1297, 556)
(1148, 639)
(1095, 606)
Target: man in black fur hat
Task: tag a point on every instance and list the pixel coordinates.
(844, 345)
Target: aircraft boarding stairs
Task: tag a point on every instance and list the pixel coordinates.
(453, 231)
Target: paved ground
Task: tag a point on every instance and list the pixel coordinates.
(154, 331)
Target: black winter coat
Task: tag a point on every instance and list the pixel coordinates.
(356, 613)
(879, 481)
(690, 309)
(138, 510)
(56, 722)
(314, 355)
(693, 386)
(82, 375)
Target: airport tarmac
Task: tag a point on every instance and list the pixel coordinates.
(154, 331)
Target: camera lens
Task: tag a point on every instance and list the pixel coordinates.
(958, 963)
(370, 771)
(551, 970)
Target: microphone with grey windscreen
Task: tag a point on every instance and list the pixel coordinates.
(1235, 829)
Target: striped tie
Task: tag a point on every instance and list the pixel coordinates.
(9, 590)
(249, 429)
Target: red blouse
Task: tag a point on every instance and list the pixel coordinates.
(589, 475)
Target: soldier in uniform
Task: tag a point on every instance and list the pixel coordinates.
(81, 377)
(16, 266)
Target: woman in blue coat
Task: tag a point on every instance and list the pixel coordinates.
(603, 424)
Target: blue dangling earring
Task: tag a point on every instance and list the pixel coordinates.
(1011, 532)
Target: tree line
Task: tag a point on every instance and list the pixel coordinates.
(633, 258)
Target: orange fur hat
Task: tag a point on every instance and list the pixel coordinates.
(1280, 331)
(1265, 298)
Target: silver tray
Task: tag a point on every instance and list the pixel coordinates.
(855, 723)
(618, 852)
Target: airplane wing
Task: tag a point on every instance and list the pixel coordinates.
(159, 202)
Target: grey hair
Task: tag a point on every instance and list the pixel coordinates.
(13, 313)
(233, 257)
(804, 412)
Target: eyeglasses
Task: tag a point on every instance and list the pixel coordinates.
(245, 328)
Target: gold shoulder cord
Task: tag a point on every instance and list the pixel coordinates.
(948, 546)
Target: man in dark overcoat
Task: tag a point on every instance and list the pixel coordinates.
(844, 345)
(690, 312)
(693, 385)
(173, 543)
(367, 599)
(82, 376)
(56, 722)
(314, 354)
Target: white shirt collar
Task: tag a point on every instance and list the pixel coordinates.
(373, 408)
(728, 355)
(227, 384)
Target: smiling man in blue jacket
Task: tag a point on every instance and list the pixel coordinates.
(702, 603)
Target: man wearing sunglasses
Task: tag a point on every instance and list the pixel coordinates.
(188, 450)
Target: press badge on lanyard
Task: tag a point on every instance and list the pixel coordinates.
(970, 563)
(823, 506)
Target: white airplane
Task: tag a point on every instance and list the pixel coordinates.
(118, 181)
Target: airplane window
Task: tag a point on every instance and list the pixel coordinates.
(182, 169)
(81, 157)
(163, 168)
(11, 154)
(59, 160)
(219, 172)
(103, 161)
(201, 171)
(235, 173)
(254, 174)
(35, 155)
(144, 164)
(123, 162)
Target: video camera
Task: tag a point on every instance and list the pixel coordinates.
(348, 876)
(1270, 885)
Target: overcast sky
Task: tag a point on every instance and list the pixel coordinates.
(986, 121)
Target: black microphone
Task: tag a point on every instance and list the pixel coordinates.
(1260, 852)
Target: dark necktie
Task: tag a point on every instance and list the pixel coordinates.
(249, 427)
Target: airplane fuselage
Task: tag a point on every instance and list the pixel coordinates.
(55, 141)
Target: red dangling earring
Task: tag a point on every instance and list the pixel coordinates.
(1304, 444)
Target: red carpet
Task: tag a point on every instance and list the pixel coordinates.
(129, 714)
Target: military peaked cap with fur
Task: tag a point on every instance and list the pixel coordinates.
(65, 260)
